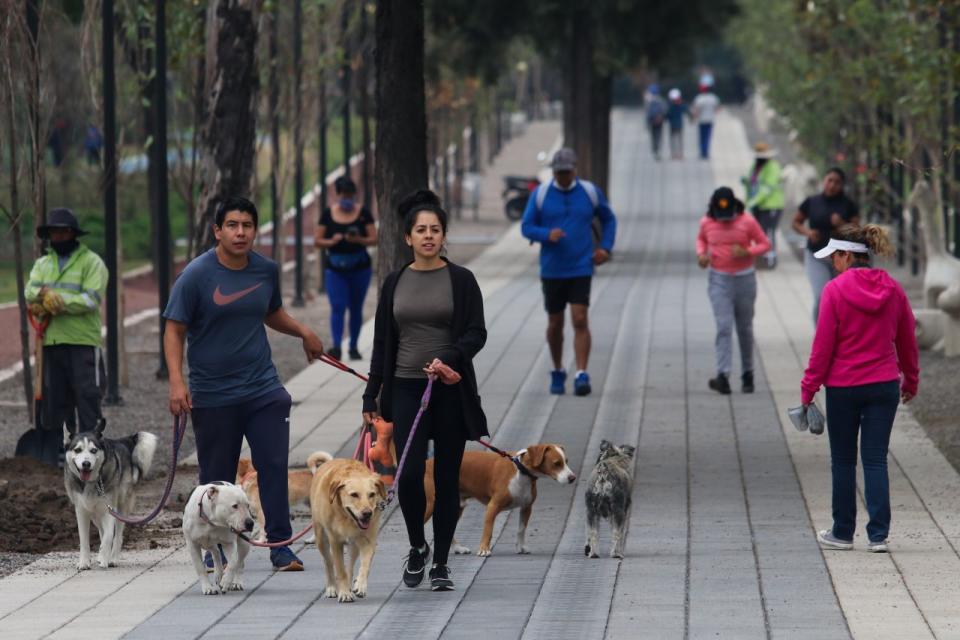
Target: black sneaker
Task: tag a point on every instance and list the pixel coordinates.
(335, 352)
(415, 563)
(720, 384)
(440, 578)
(747, 381)
(355, 354)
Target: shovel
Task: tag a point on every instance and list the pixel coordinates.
(31, 442)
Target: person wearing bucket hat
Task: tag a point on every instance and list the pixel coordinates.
(817, 218)
(560, 215)
(865, 353)
(728, 242)
(67, 285)
(765, 196)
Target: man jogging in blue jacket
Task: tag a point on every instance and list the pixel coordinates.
(559, 216)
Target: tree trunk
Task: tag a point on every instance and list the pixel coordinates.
(400, 165)
(273, 99)
(601, 98)
(229, 132)
(14, 215)
(578, 101)
(38, 132)
(363, 86)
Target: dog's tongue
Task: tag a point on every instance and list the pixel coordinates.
(85, 474)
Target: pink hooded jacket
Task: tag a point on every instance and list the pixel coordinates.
(865, 334)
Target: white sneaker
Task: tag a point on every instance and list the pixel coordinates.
(827, 539)
(877, 547)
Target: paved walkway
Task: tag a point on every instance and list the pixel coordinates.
(726, 500)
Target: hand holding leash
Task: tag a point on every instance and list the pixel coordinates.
(442, 371)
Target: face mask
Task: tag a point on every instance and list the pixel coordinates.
(65, 247)
(346, 204)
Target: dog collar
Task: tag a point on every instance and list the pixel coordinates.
(520, 466)
(100, 490)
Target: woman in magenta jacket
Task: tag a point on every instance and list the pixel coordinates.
(865, 354)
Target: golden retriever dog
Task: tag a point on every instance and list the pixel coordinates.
(298, 486)
(344, 499)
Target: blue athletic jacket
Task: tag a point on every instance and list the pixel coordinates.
(572, 211)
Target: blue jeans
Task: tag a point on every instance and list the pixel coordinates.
(347, 290)
(706, 130)
(868, 409)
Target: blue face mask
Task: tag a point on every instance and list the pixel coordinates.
(346, 204)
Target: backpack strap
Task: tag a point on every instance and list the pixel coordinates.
(591, 190)
(588, 186)
(542, 194)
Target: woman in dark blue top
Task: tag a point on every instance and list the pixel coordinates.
(346, 230)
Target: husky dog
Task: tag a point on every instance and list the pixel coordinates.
(215, 514)
(608, 496)
(101, 472)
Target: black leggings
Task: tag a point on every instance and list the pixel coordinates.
(442, 422)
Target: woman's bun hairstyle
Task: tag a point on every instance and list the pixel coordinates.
(414, 203)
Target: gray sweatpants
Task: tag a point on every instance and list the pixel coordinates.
(732, 298)
(819, 273)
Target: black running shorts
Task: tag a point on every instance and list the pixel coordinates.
(558, 292)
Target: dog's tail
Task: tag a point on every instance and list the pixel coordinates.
(143, 454)
(316, 459)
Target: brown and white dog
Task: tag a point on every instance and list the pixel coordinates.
(298, 486)
(344, 501)
(500, 484)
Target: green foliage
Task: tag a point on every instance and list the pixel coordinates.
(870, 81)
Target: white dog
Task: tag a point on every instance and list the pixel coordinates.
(215, 514)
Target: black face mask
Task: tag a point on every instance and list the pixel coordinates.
(66, 247)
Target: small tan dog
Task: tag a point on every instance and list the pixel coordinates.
(344, 499)
(499, 483)
(298, 485)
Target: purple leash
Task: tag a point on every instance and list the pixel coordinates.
(424, 401)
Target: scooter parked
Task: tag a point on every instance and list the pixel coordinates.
(516, 193)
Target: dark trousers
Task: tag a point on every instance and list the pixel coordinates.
(656, 137)
(347, 290)
(441, 422)
(706, 132)
(868, 410)
(265, 422)
(73, 379)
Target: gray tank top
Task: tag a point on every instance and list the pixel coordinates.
(423, 309)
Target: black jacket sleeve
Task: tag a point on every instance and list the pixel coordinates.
(380, 324)
(474, 335)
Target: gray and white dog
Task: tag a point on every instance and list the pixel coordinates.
(101, 472)
(609, 490)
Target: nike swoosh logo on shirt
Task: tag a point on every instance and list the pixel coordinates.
(221, 299)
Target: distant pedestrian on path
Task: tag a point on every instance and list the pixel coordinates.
(560, 216)
(705, 107)
(67, 285)
(816, 219)
(676, 111)
(865, 353)
(429, 318)
(765, 196)
(219, 305)
(728, 242)
(345, 230)
(656, 114)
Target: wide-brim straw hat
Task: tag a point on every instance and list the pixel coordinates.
(764, 151)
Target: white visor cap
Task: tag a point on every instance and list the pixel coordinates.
(841, 245)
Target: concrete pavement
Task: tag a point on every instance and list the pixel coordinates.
(726, 501)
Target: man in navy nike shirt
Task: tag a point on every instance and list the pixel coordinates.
(220, 304)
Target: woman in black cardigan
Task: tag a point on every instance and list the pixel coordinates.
(429, 317)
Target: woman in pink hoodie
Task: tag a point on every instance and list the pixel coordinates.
(728, 242)
(865, 353)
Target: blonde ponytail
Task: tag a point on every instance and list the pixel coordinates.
(877, 239)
